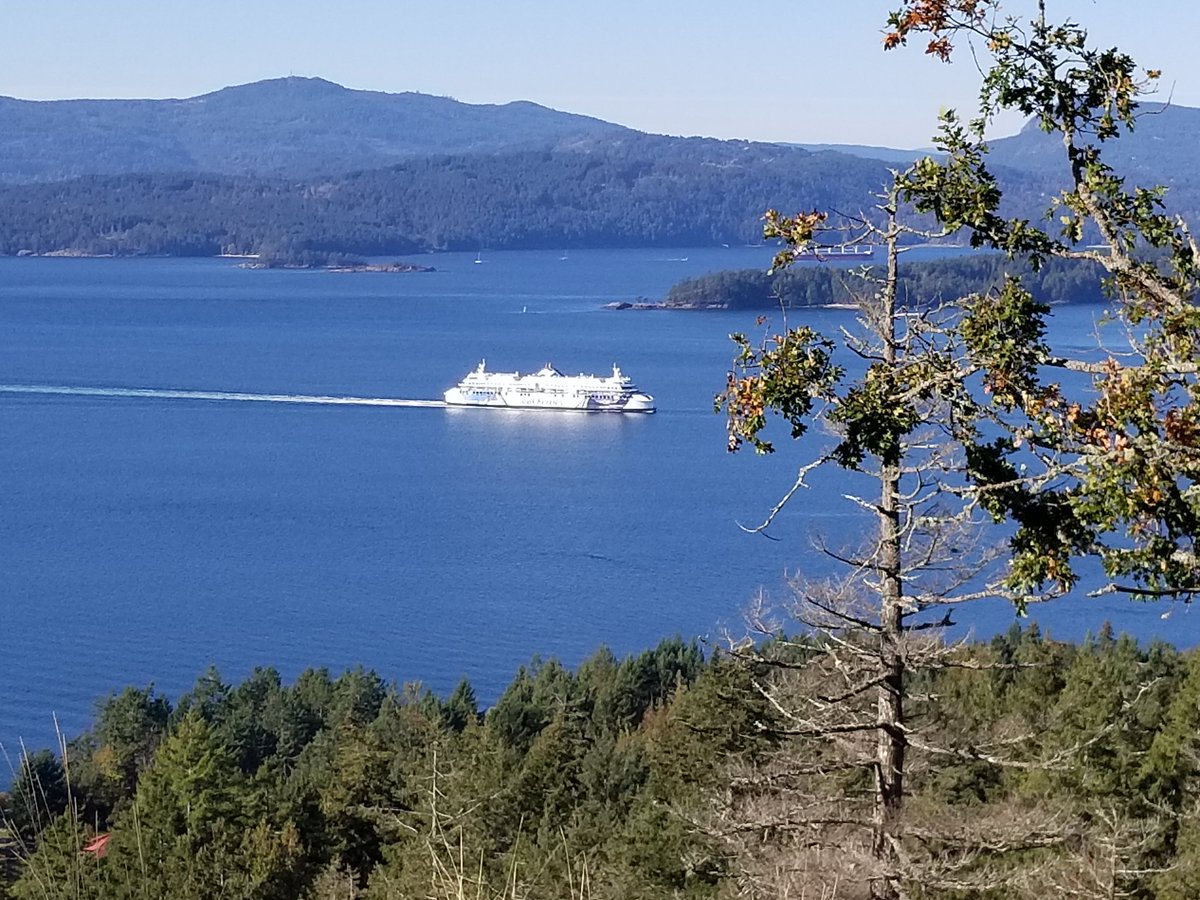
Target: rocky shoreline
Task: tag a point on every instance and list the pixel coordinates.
(650, 304)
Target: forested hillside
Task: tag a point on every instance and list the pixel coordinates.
(646, 191)
(612, 781)
(635, 191)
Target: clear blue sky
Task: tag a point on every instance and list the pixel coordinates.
(798, 71)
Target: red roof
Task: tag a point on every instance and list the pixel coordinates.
(97, 846)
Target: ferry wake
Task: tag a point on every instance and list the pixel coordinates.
(65, 390)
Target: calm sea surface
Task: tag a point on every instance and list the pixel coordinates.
(143, 539)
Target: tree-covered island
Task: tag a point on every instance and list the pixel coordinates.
(813, 284)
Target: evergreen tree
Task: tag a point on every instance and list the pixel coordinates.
(461, 708)
(193, 830)
(129, 727)
(59, 869)
(37, 797)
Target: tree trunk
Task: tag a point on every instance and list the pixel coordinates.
(891, 741)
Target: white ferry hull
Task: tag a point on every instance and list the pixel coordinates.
(549, 389)
(638, 403)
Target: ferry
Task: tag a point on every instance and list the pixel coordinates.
(549, 388)
(835, 251)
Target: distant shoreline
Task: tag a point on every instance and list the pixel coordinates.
(392, 267)
(644, 305)
(400, 268)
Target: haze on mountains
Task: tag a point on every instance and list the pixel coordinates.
(302, 169)
(290, 127)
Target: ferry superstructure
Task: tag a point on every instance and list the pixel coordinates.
(835, 251)
(549, 388)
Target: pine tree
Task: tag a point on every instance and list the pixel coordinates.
(193, 831)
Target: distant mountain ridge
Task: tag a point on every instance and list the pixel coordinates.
(866, 151)
(305, 128)
(286, 127)
(1162, 150)
(303, 168)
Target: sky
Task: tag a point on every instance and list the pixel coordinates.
(801, 71)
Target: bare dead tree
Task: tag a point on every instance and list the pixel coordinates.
(848, 678)
(958, 421)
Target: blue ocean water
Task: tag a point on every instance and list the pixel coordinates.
(143, 539)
